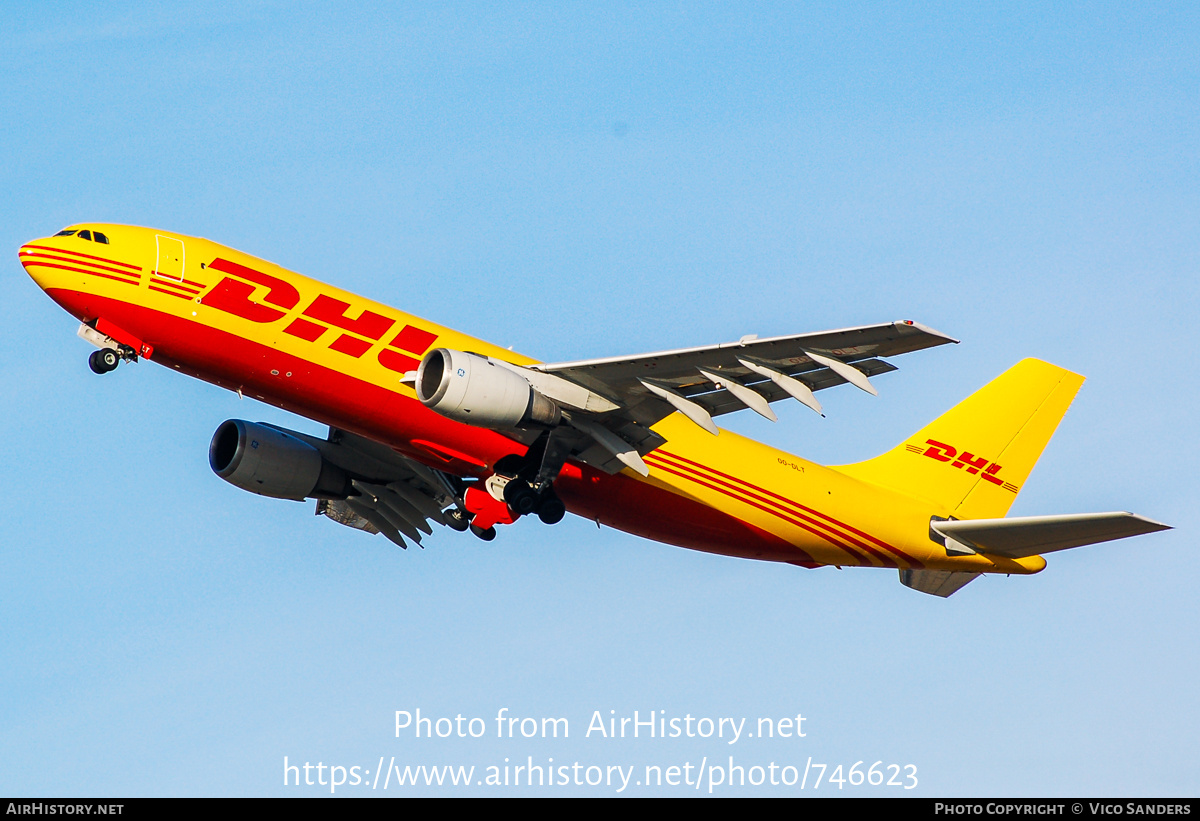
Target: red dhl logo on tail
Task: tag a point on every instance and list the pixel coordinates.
(233, 295)
(986, 469)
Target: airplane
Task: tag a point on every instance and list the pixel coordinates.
(430, 426)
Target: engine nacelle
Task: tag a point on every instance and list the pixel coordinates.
(270, 462)
(472, 389)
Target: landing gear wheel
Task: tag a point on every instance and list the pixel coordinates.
(456, 520)
(487, 534)
(551, 510)
(521, 498)
(103, 360)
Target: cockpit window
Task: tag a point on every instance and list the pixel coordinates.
(94, 236)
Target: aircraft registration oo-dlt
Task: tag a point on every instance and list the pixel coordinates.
(428, 425)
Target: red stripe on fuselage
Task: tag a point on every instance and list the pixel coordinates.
(664, 515)
(86, 256)
(849, 528)
(834, 538)
(159, 279)
(79, 262)
(185, 297)
(837, 530)
(87, 271)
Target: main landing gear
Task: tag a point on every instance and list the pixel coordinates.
(485, 533)
(457, 519)
(523, 499)
(520, 486)
(501, 499)
(528, 483)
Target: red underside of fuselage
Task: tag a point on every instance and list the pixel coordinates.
(342, 401)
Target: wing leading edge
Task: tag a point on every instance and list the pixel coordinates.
(713, 380)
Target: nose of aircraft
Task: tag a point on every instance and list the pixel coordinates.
(28, 256)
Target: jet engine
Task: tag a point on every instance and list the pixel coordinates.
(472, 389)
(271, 462)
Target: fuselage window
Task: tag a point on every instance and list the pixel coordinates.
(85, 234)
(100, 238)
(65, 233)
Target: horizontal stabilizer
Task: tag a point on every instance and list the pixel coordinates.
(936, 582)
(1022, 537)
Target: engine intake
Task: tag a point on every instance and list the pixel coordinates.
(270, 462)
(472, 389)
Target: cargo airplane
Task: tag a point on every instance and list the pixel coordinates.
(430, 426)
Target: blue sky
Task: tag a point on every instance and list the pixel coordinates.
(590, 182)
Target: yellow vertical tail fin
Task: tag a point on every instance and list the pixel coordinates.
(973, 459)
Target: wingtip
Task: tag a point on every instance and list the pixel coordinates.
(1154, 523)
(926, 329)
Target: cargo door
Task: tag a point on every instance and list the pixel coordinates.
(170, 261)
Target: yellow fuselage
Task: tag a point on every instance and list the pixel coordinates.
(253, 327)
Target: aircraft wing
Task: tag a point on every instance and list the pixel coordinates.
(395, 495)
(638, 391)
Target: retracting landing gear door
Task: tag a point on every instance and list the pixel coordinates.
(170, 257)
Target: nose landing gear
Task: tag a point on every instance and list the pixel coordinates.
(104, 360)
(115, 346)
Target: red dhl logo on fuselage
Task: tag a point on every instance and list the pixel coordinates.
(233, 296)
(966, 460)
